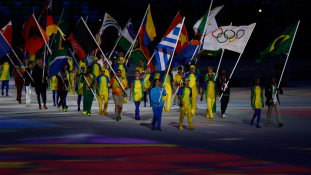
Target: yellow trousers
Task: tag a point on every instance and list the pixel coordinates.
(168, 97)
(209, 111)
(72, 79)
(194, 102)
(185, 110)
(102, 98)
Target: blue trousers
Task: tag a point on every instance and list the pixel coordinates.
(157, 111)
(145, 98)
(79, 101)
(55, 93)
(258, 115)
(6, 84)
(137, 117)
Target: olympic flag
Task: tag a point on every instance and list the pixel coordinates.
(231, 38)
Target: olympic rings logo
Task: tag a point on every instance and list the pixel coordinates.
(228, 35)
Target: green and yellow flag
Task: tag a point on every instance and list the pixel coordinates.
(280, 45)
(212, 53)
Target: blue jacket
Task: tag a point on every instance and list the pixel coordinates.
(155, 95)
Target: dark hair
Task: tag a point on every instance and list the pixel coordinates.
(68, 66)
(272, 77)
(154, 81)
(89, 67)
(221, 69)
(119, 70)
(255, 79)
(179, 68)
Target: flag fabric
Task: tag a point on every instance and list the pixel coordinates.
(107, 22)
(280, 45)
(201, 27)
(34, 38)
(128, 36)
(211, 25)
(4, 46)
(7, 32)
(48, 5)
(185, 55)
(183, 39)
(148, 29)
(24, 28)
(212, 53)
(166, 47)
(82, 40)
(231, 38)
(51, 26)
(61, 54)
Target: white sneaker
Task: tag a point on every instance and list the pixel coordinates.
(224, 116)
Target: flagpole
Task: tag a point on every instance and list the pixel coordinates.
(15, 66)
(132, 45)
(222, 53)
(102, 26)
(105, 57)
(226, 85)
(119, 39)
(42, 34)
(73, 57)
(57, 25)
(168, 70)
(43, 62)
(286, 62)
(17, 56)
(63, 79)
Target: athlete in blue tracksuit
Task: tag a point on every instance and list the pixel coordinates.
(157, 105)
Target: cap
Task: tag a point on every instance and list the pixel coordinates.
(192, 66)
(95, 58)
(102, 69)
(187, 79)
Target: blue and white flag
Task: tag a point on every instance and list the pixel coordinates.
(166, 47)
(4, 46)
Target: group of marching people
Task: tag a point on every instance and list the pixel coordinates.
(93, 77)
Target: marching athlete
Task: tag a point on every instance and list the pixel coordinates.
(222, 80)
(155, 75)
(195, 86)
(137, 90)
(79, 87)
(5, 77)
(257, 101)
(19, 81)
(168, 85)
(121, 65)
(28, 84)
(62, 89)
(210, 71)
(147, 83)
(157, 105)
(102, 91)
(40, 81)
(211, 92)
(88, 84)
(54, 89)
(184, 96)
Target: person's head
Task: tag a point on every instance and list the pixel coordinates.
(210, 76)
(26, 62)
(92, 53)
(273, 79)
(147, 69)
(30, 65)
(102, 71)
(83, 69)
(119, 72)
(179, 70)
(120, 54)
(210, 69)
(187, 80)
(105, 64)
(222, 71)
(257, 81)
(192, 69)
(156, 68)
(39, 62)
(102, 56)
(156, 83)
(66, 67)
(121, 61)
(89, 69)
(95, 60)
(137, 73)
(141, 63)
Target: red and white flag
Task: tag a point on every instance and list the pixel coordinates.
(7, 32)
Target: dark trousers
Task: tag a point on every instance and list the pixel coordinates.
(224, 103)
(62, 96)
(19, 83)
(41, 89)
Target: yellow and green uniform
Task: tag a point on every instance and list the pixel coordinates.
(87, 92)
(96, 69)
(194, 78)
(206, 77)
(123, 69)
(257, 100)
(138, 89)
(177, 79)
(82, 64)
(72, 75)
(54, 83)
(80, 85)
(68, 78)
(153, 76)
(168, 89)
(210, 95)
(33, 58)
(102, 90)
(5, 71)
(147, 83)
(186, 94)
(140, 69)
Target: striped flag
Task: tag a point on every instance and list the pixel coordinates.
(107, 22)
(7, 32)
(165, 48)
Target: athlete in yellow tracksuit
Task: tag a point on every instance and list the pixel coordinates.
(168, 85)
(72, 75)
(184, 96)
(177, 84)
(211, 92)
(195, 86)
(102, 91)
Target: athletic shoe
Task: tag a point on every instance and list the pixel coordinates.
(7, 95)
(65, 110)
(20, 102)
(84, 112)
(105, 113)
(45, 107)
(58, 108)
(89, 114)
(159, 129)
(66, 107)
(280, 125)
(153, 128)
(119, 117)
(191, 128)
(224, 116)
(252, 122)
(257, 126)
(39, 107)
(180, 128)
(55, 105)
(167, 111)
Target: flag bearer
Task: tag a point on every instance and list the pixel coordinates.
(137, 89)
(184, 96)
(54, 89)
(63, 84)
(211, 92)
(120, 65)
(167, 85)
(79, 87)
(157, 105)
(257, 101)
(39, 78)
(96, 67)
(195, 86)
(102, 91)
(87, 92)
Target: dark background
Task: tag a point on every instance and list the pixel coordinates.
(275, 17)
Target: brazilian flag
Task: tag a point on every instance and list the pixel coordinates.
(212, 53)
(280, 45)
